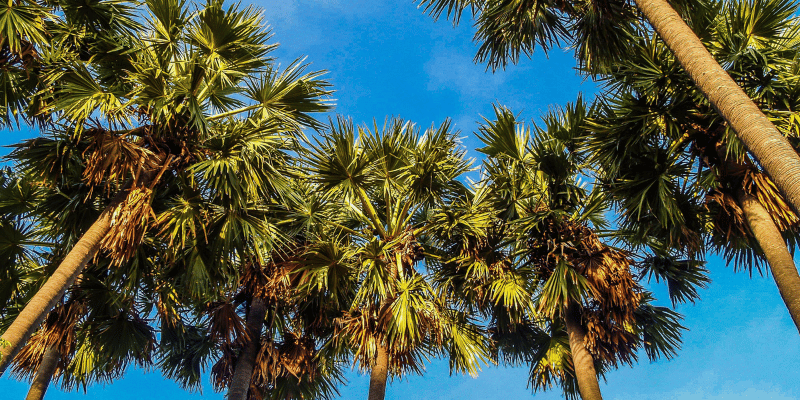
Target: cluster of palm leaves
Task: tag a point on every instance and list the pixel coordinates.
(175, 212)
(674, 161)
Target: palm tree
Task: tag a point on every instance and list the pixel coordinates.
(176, 99)
(261, 329)
(600, 31)
(92, 337)
(234, 234)
(41, 37)
(385, 183)
(559, 298)
(21, 238)
(655, 130)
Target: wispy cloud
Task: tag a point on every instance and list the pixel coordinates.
(297, 12)
(451, 70)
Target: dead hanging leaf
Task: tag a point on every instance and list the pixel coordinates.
(129, 222)
(606, 269)
(113, 158)
(225, 324)
(26, 57)
(607, 339)
(268, 364)
(58, 330)
(729, 220)
(762, 188)
(615, 293)
(131, 218)
(270, 282)
(297, 355)
(222, 371)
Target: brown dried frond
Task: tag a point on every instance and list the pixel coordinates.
(222, 370)
(729, 220)
(297, 355)
(608, 271)
(270, 282)
(294, 357)
(114, 158)
(26, 57)
(361, 330)
(266, 371)
(367, 328)
(268, 365)
(225, 324)
(615, 293)
(129, 222)
(607, 339)
(762, 188)
(58, 330)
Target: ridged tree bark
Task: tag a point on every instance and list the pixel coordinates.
(379, 374)
(243, 370)
(759, 135)
(44, 374)
(53, 290)
(775, 251)
(588, 385)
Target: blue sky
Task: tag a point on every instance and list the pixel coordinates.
(388, 59)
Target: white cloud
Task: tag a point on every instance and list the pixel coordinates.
(289, 12)
(282, 11)
(449, 70)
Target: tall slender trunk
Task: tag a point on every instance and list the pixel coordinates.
(588, 385)
(53, 290)
(759, 135)
(777, 254)
(379, 374)
(243, 371)
(44, 373)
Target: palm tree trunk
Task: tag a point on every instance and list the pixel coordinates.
(46, 298)
(777, 254)
(44, 373)
(582, 360)
(243, 371)
(379, 374)
(759, 135)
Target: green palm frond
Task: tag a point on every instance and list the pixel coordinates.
(504, 136)
(80, 95)
(337, 160)
(601, 34)
(437, 162)
(290, 96)
(248, 161)
(507, 29)
(169, 19)
(184, 354)
(683, 277)
(22, 24)
(468, 345)
(101, 15)
(452, 9)
(409, 309)
(563, 286)
(232, 42)
(660, 329)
